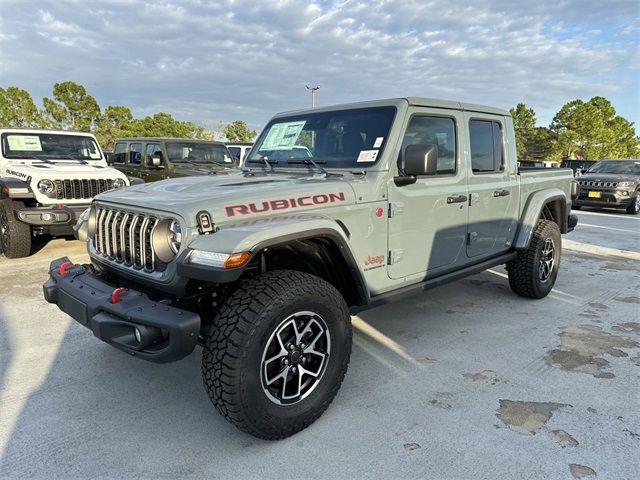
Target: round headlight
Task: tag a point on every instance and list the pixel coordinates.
(175, 236)
(166, 239)
(46, 186)
(119, 183)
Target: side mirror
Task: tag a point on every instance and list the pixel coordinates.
(109, 157)
(155, 161)
(421, 159)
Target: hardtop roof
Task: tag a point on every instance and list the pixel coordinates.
(167, 139)
(413, 101)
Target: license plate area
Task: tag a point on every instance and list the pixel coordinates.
(594, 194)
(72, 307)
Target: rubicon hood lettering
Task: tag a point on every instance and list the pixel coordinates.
(284, 204)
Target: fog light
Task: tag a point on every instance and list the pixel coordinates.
(137, 334)
(46, 217)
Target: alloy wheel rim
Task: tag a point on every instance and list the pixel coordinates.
(295, 358)
(547, 260)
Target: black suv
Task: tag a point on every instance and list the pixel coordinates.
(611, 184)
(156, 158)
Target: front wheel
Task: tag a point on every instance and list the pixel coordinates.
(276, 353)
(634, 206)
(533, 272)
(15, 236)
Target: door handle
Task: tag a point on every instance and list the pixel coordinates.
(144, 174)
(501, 193)
(457, 199)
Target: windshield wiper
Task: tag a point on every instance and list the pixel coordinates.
(264, 160)
(41, 158)
(310, 161)
(83, 162)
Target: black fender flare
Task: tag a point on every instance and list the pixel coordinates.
(14, 188)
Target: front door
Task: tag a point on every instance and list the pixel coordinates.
(428, 219)
(153, 173)
(493, 188)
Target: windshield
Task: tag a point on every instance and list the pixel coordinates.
(624, 167)
(200, 153)
(341, 138)
(49, 146)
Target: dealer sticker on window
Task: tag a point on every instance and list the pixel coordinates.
(25, 143)
(368, 156)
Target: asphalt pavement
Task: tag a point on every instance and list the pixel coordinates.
(467, 381)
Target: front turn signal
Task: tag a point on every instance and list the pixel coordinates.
(236, 259)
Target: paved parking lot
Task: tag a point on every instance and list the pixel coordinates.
(465, 381)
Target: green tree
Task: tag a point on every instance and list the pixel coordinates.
(113, 123)
(237, 131)
(524, 124)
(71, 107)
(163, 124)
(17, 108)
(592, 130)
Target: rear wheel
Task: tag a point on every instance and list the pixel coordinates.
(276, 353)
(634, 206)
(15, 236)
(533, 272)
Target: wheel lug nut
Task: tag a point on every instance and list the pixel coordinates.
(294, 369)
(285, 361)
(303, 346)
(291, 346)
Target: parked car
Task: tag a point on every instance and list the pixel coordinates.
(158, 158)
(578, 166)
(263, 267)
(47, 179)
(239, 150)
(611, 184)
(531, 164)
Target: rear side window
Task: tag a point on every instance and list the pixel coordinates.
(153, 149)
(120, 153)
(486, 146)
(135, 153)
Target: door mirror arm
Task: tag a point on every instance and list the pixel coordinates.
(403, 180)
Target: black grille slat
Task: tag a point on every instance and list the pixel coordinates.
(125, 237)
(84, 189)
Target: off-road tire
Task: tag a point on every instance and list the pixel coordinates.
(634, 206)
(523, 271)
(234, 344)
(15, 236)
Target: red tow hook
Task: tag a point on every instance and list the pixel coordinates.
(62, 268)
(115, 295)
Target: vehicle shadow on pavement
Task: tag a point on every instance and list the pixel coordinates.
(99, 412)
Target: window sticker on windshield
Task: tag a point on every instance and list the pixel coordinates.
(378, 142)
(368, 156)
(283, 136)
(26, 143)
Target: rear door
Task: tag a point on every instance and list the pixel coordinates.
(428, 219)
(120, 158)
(493, 187)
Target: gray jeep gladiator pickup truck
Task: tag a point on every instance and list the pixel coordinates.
(264, 267)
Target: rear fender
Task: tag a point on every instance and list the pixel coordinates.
(533, 210)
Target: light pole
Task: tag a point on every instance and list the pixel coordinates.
(313, 94)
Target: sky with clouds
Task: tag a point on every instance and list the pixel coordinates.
(212, 61)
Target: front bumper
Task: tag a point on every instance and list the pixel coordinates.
(61, 216)
(608, 199)
(165, 333)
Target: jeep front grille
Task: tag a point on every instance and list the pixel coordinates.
(125, 237)
(81, 189)
(591, 183)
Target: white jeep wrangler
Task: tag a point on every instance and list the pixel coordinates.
(47, 179)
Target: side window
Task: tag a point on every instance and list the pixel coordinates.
(135, 153)
(120, 153)
(438, 131)
(235, 152)
(152, 149)
(486, 146)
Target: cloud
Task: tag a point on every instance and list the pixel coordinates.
(213, 61)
